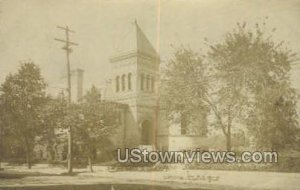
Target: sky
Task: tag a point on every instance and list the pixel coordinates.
(28, 29)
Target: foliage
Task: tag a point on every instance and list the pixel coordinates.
(254, 75)
(51, 119)
(93, 122)
(243, 81)
(183, 88)
(272, 119)
(22, 96)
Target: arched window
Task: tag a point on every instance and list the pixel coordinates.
(117, 84)
(152, 84)
(123, 82)
(142, 81)
(129, 81)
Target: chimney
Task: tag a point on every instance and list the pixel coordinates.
(77, 85)
(79, 76)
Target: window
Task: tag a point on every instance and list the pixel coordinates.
(117, 84)
(123, 82)
(148, 82)
(142, 81)
(152, 84)
(129, 81)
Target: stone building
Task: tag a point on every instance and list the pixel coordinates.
(134, 81)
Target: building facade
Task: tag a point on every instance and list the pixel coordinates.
(134, 81)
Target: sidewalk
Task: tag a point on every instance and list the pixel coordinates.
(41, 175)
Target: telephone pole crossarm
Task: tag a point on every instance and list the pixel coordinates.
(65, 28)
(67, 42)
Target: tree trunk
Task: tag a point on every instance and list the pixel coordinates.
(228, 142)
(228, 136)
(28, 156)
(1, 153)
(90, 163)
(50, 154)
(55, 152)
(28, 159)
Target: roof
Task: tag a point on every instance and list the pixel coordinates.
(133, 40)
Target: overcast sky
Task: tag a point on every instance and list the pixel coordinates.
(28, 29)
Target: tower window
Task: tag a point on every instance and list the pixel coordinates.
(117, 84)
(142, 81)
(152, 84)
(123, 82)
(148, 82)
(129, 81)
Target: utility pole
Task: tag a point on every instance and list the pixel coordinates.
(68, 49)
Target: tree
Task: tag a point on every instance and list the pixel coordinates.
(23, 94)
(184, 85)
(193, 88)
(253, 84)
(243, 81)
(273, 119)
(51, 118)
(1, 132)
(94, 122)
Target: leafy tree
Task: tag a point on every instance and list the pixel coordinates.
(253, 85)
(184, 85)
(23, 94)
(94, 122)
(273, 119)
(243, 81)
(51, 117)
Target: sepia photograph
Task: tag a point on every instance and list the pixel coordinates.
(149, 94)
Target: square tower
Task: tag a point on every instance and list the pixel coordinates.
(134, 81)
